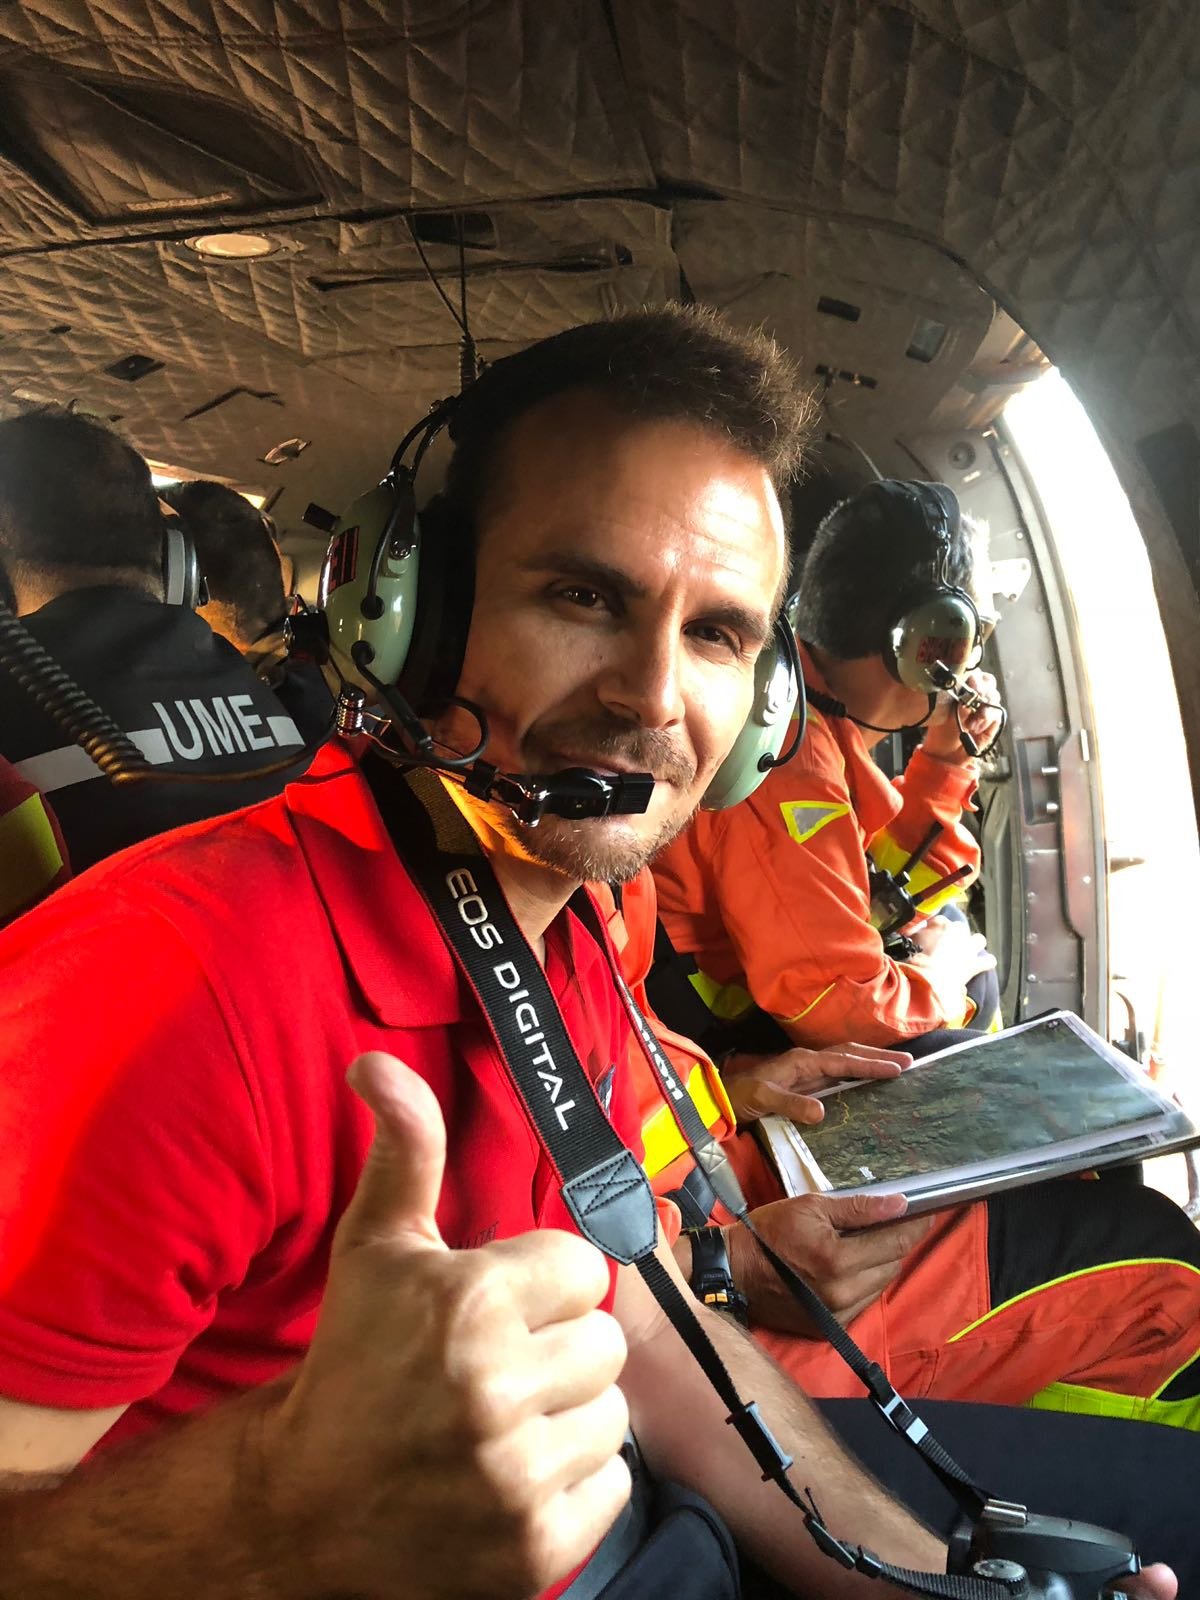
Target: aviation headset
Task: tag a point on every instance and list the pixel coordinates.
(183, 582)
(936, 620)
(397, 589)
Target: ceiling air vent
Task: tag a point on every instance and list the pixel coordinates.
(442, 227)
(928, 337)
(830, 307)
(132, 369)
(138, 152)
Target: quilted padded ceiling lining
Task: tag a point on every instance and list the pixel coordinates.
(396, 102)
(888, 152)
(1054, 148)
(323, 360)
(798, 261)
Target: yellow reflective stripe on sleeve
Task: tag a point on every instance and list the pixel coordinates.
(803, 818)
(812, 1003)
(1070, 1277)
(890, 857)
(886, 853)
(1076, 1398)
(30, 859)
(725, 1000)
(661, 1138)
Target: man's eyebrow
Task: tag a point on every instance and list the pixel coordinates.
(588, 569)
(753, 626)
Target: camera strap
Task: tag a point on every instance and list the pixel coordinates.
(713, 1162)
(602, 1184)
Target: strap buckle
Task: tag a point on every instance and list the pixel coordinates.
(903, 1418)
(761, 1442)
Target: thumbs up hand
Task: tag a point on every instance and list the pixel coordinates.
(454, 1428)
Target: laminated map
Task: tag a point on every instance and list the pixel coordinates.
(1014, 1100)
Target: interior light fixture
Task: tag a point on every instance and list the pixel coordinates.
(234, 246)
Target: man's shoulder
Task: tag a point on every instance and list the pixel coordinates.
(818, 768)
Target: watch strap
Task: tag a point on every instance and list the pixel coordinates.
(711, 1278)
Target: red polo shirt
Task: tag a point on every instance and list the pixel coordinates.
(178, 1137)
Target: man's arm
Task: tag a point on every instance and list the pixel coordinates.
(790, 885)
(680, 1425)
(452, 1432)
(938, 785)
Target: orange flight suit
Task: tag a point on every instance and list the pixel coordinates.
(771, 897)
(1073, 1296)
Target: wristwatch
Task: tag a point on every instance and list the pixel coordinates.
(711, 1280)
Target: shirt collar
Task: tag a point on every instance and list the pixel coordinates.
(387, 936)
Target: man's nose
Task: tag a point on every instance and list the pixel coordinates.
(644, 684)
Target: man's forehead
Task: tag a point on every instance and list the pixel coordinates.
(579, 448)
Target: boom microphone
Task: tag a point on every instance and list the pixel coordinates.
(575, 792)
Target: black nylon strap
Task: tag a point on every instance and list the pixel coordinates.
(604, 1188)
(894, 1408)
(706, 1151)
(695, 1198)
(713, 1164)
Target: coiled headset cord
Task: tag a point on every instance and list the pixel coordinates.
(88, 725)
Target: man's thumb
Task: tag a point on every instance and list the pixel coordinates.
(401, 1179)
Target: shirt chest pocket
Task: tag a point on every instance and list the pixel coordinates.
(495, 1170)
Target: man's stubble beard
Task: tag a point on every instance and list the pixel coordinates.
(582, 852)
(595, 850)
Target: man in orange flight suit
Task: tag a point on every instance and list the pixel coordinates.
(771, 898)
(1068, 1296)
(1072, 1295)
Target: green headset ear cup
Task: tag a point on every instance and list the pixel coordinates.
(386, 629)
(778, 696)
(417, 630)
(938, 625)
(936, 620)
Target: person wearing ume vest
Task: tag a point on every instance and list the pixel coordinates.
(109, 587)
(264, 1330)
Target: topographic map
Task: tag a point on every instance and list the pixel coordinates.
(1009, 1096)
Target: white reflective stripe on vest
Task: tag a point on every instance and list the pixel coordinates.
(70, 764)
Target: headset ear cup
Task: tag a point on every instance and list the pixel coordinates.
(446, 592)
(182, 582)
(942, 626)
(369, 591)
(778, 698)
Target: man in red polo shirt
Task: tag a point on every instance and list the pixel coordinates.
(182, 1141)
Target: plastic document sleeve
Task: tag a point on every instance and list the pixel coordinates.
(1043, 1099)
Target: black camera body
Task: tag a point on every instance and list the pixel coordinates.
(1042, 1558)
